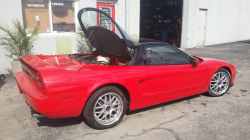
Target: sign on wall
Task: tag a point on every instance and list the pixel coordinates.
(105, 21)
(60, 10)
(66, 27)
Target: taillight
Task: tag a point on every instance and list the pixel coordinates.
(39, 80)
(32, 73)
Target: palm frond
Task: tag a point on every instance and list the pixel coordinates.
(16, 40)
(83, 42)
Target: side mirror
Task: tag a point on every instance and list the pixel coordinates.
(195, 62)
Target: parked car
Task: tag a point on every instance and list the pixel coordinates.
(120, 75)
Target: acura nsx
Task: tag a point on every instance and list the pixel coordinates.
(121, 74)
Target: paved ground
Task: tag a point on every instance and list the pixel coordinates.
(198, 117)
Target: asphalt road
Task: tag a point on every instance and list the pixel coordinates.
(193, 118)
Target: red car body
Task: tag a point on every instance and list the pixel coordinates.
(68, 83)
(59, 86)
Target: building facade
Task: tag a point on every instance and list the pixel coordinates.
(182, 23)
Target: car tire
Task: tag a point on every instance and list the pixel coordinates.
(105, 108)
(220, 83)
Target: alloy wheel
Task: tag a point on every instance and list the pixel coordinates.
(219, 83)
(108, 108)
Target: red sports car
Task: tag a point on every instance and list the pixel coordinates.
(120, 75)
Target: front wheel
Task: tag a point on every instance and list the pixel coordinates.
(220, 83)
(105, 108)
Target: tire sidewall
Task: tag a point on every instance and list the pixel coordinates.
(220, 70)
(88, 111)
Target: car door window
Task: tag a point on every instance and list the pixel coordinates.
(166, 55)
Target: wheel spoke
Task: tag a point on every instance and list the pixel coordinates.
(223, 77)
(216, 88)
(105, 99)
(100, 115)
(102, 100)
(214, 79)
(115, 101)
(104, 115)
(99, 107)
(116, 108)
(217, 76)
(97, 112)
(106, 118)
(109, 98)
(116, 104)
(213, 85)
(112, 99)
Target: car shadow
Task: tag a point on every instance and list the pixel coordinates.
(2, 80)
(61, 122)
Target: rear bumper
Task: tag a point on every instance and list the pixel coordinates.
(39, 101)
(33, 95)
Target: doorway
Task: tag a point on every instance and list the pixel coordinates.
(202, 28)
(108, 8)
(161, 20)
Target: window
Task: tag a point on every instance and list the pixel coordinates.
(63, 16)
(36, 12)
(166, 55)
(54, 18)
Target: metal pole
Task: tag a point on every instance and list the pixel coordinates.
(127, 17)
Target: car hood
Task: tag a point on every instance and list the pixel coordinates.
(105, 34)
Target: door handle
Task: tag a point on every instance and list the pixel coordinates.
(154, 71)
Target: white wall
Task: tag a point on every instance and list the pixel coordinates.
(45, 45)
(134, 16)
(10, 9)
(120, 13)
(86, 3)
(227, 21)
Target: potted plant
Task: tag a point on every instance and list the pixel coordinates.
(17, 42)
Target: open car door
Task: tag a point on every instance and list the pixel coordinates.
(105, 34)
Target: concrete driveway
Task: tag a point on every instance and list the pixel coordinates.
(197, 117)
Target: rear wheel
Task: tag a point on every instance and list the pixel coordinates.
(105, 108)
(220, 83)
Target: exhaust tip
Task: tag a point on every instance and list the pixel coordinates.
(37, 115)
(34, 113)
